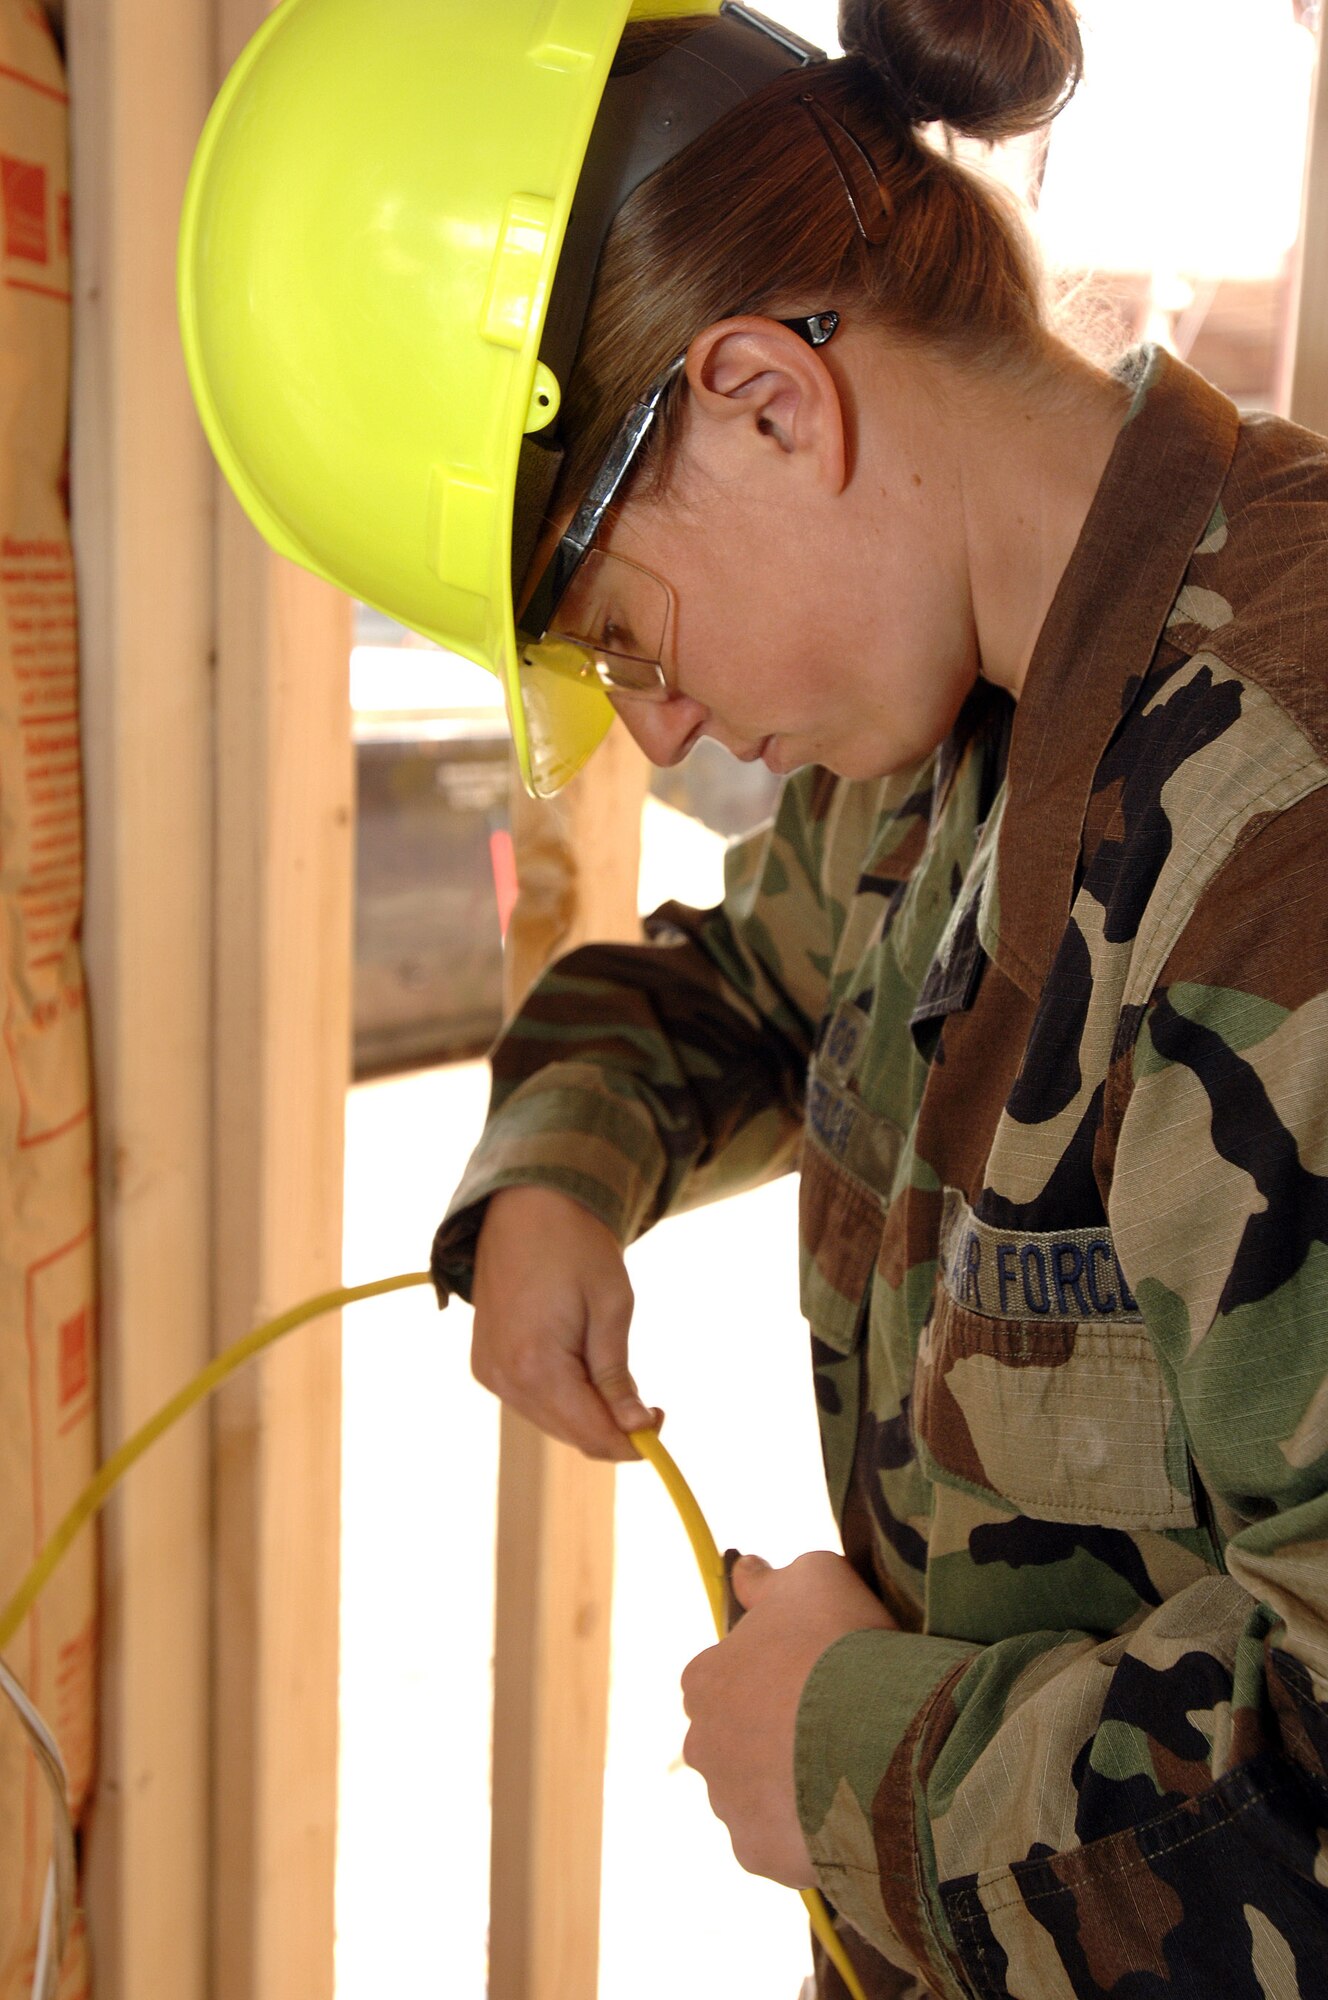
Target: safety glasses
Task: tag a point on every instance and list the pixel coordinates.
(596, 617)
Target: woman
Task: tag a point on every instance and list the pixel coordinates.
(1028, 974)
(1050, 1193)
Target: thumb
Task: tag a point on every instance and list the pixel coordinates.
(620, 1392)
(751, 1579)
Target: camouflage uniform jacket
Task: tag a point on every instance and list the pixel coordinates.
(1048, 1026)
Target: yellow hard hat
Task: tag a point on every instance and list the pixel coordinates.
(372, 229)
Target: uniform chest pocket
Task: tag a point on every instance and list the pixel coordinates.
(1037, 1382)
(848, 1162)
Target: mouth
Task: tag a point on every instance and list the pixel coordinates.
(769, 755)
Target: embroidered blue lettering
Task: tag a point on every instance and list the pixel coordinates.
(832, 1118)
(843, 1041)
(972, 1270)
(1129, 1303)
(1006, 1273)
(1072, 1275)
(1103, 1302)
(1031, 1260)
(1067, 1264)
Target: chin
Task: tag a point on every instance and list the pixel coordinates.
(861, 766)
(863, 762)
(857, 762)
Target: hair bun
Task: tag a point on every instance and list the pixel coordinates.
(989, 68)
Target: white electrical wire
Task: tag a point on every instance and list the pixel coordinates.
(57, 1913)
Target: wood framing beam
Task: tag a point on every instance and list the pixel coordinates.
(284, 792)
(550, 1716)
(1309, 366)
(219, 778)
(285, 864)
(140, 76)
(578, 861)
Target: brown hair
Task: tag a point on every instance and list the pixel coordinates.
(755, 217)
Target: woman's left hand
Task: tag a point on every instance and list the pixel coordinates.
(742, 1699)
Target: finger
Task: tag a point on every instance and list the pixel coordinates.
(656, 1424)
(624, 1403)
(692, 1678)
(751, 1578)
(550, 1389)
(576, 1409)
(609, 1319)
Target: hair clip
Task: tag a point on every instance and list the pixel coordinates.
(853, 163)
(793, 45)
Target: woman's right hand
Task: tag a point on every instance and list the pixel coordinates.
(553, 1305)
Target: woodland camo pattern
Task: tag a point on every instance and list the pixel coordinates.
(1045, 1026)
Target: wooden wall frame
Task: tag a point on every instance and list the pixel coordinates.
(218, 771)
(142, 489)
(283, 876)
(217, 949)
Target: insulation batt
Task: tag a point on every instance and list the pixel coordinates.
(47, 1324)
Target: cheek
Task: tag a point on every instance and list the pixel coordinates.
(747, 660)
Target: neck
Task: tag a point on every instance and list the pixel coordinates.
(1032, 454)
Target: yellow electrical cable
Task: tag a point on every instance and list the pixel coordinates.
(711, 1565)
(708, 1559)
(99, 1488)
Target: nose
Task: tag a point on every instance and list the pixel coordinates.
(665, 730)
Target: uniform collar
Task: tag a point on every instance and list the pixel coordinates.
(1157, 497)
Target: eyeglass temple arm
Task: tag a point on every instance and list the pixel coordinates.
(814, 328)
(600, 494)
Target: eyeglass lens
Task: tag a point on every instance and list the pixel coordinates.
(620, 613)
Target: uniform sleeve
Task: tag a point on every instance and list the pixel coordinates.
(1146, 1816)
(644, 1078)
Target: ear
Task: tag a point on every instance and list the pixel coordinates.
(770, 395)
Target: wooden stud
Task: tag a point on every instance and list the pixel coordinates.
(578, 860)
(284, 812)
(551, 1659)
(285, 792)
(219, 807)
(1308, 402)
(140, 77)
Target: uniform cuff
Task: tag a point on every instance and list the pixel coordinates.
(859, 1768)
(573, 1127)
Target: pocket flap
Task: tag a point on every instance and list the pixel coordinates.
(1065, 1416)
(839, 1235)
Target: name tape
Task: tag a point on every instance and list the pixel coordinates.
(1070, 1274)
